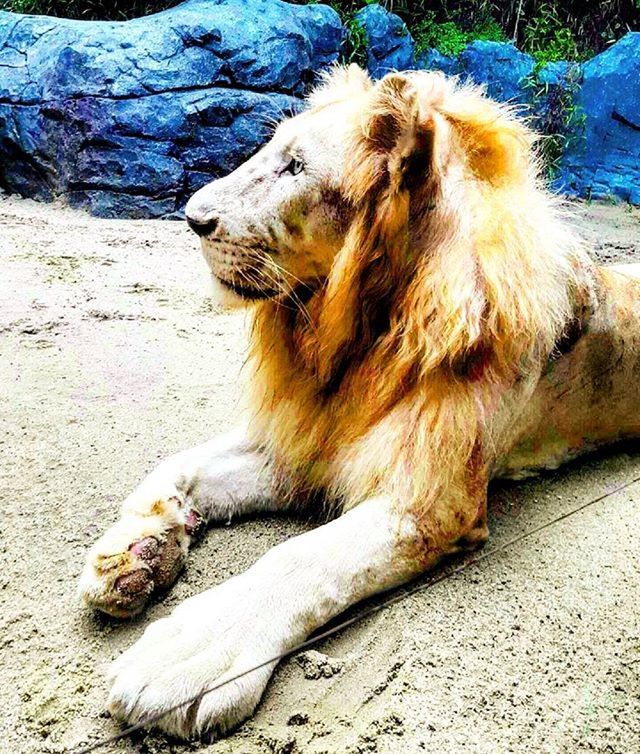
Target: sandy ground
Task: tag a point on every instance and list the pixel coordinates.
(111, 357)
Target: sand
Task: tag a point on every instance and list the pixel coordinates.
(111, 357)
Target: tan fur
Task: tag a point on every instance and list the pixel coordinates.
(424, 335)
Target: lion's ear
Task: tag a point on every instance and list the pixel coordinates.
(399, 129)
(497, 144)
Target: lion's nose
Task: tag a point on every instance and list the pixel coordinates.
(203, 227)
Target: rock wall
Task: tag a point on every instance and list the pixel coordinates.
(603, 154)
(128, 119)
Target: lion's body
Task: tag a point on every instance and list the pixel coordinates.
(589, 394)
(425, 319)
(373, 433)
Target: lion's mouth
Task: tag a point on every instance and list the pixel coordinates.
(249, 292)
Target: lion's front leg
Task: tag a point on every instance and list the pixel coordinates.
(291, 591)
(146, 548)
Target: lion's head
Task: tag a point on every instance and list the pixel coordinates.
(278, 221)
(405, 213)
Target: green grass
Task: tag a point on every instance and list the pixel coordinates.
(548, 39)
(356, 47)
(449, 37)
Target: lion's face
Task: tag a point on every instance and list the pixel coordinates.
(277, 221)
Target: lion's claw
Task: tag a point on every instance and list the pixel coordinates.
(195, 524)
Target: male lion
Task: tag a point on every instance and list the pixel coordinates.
(424, 320)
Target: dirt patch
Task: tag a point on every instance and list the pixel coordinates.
(111, 357)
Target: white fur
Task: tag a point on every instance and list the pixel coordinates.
(221, 478)
(292, 590)
(631, 269)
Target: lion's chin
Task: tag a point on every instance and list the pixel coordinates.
(225, 297)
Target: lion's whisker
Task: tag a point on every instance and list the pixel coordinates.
(286, 287)
(296, 299)
(292, 292)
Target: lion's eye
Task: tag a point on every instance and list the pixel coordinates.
(294, 166)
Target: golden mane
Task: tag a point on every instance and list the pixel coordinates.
(457, 277)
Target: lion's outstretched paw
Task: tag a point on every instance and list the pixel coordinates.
(137, 556)
(209, 638)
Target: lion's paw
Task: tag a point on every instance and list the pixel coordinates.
(141, 553)
(208, 639)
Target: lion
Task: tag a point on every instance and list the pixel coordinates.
(425, 319)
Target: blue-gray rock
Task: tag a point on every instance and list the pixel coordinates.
(503, 68)
(555, 73)
(389, 44)
(129, 118)
(434, 60)
(603, 157)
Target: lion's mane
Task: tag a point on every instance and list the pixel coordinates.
(457, 277)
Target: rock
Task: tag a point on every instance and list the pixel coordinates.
(602, 158)
(389, 44)
(503, 68)
(433, 60)
(555, 73)
(128, 119)
(298, 718)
